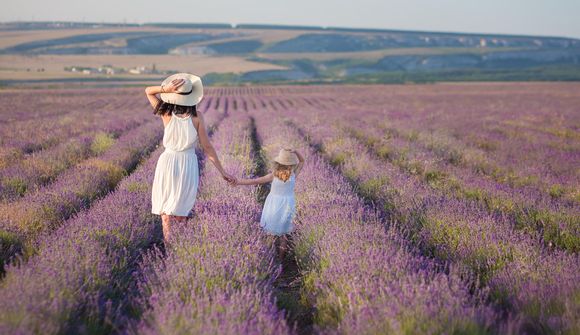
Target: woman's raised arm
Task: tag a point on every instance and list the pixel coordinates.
(152, 91)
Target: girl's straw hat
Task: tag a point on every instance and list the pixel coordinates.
(190, 93)
(286, 157)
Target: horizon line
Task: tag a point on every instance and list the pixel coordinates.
(296, 27)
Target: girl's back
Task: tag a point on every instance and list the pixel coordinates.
(281, 188)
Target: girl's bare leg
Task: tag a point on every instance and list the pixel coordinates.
(282, 247)
(181, 219)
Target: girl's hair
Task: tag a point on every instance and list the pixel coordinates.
(164, 108)
(282, 171)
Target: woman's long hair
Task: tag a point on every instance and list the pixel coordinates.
(282, 171)
(164, 108)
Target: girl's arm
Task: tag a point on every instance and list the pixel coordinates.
(256, 181)
(209, 150)
(152, 91)
(300, 163)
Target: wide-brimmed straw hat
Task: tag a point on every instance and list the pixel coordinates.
(190, 93)
(286, 157)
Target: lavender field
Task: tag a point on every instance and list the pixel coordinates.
(422, 209)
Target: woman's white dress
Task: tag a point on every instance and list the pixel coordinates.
(280, 207)
(177, 172)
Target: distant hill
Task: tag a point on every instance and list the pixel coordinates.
(318, 54)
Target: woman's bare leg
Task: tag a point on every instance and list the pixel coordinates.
(166, 221)
(166, 225)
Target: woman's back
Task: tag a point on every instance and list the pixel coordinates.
(180, 133)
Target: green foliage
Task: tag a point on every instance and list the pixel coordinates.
(7, 239)
(304, 245)
(414, 167)
(434, 176)
(350, 173)
(10, 244)
(386, 152)
(15, 185)
(136, 187)
(412, 135)
(556, 191)
(455, 157)
(101, 143)
(559, 229)
(114, 174)
(371, 188)
(446, 239)
(371, 141)
(487, 145)
(221, 79)
(485, 168)
(338, 158)
(331, 307)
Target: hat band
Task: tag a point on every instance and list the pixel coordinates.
(185, 93)
(284, 161)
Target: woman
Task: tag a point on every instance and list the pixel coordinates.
(176, 174)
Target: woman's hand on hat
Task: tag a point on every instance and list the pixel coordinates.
(173, 86)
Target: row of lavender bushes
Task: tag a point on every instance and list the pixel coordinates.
(359, 275)
(216, 276)
(83, 278)
(516, 143)
(83, 266)
(476, 162)
(36, 170)
(33, 132)
(23, 105)
(513, 136)
(78, 186)
(22, 221)
(446, 168)
(535, 283)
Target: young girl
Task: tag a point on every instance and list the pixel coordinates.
(280, 204)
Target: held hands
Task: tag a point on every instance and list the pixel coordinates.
(173, 86)
(233, 181)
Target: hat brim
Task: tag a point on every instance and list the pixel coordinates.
(191, 99)
(286, 162)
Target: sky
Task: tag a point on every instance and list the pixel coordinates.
(528, 17)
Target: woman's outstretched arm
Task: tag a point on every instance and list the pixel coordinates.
(256, 181)
(152, 91)
(209, 150)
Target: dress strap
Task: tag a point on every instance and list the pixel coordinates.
(179, 117)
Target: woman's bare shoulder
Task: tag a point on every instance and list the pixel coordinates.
(196, 120)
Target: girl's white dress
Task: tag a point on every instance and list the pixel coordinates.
(280, 207)
(177, 172)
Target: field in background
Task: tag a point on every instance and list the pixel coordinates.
(250, 54)
(34, 65)
(446, 208)
(54, 66)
